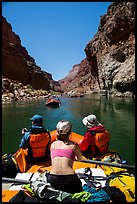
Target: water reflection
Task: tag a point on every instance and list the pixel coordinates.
(117, 115)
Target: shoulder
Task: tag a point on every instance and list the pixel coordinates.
(90, 132)
(46, 131)
(75, 145)
(55, 144)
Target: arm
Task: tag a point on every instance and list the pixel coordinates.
(88, 139)
(48, 147)
(23, 131)
(25, 141)
(49, 143)
(78, 153)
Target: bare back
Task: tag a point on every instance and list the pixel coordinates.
(62, 165)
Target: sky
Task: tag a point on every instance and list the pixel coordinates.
(55, 34)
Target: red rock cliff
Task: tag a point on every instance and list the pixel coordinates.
(110, 55)
(18, 65)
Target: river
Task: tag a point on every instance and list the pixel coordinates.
(116, 114)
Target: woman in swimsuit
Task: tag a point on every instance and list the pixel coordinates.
(63, 154)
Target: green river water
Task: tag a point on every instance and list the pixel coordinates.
(116, 114)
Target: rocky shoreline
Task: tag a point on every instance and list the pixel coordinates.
(14, 91)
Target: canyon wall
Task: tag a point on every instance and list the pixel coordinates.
(18, 65)
(109, 66)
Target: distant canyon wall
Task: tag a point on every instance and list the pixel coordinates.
(18, 65)
(109, 65)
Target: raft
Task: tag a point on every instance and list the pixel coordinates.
(53, 102)
(97, 166)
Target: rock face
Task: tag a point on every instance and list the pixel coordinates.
(110, 56)
(18, 65)
(79, 79)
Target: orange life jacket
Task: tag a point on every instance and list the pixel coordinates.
(102, 141)
(38, 144)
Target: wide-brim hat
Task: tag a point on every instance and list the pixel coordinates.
(90, 121)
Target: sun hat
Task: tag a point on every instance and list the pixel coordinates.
(90, 121)
(37, 119)
(63, 127)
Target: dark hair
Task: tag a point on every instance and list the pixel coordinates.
(63, 136)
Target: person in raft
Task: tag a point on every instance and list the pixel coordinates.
(37, 140)
(95, 142)
(63, 154)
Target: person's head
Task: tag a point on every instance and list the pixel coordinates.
(90, 121)
(37, 120)
(63, 129)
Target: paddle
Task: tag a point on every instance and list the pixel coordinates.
(125, 166)
(12, 180)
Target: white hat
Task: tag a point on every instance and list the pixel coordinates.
(63, 127)
(90, 121)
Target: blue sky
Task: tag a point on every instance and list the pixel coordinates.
(55, 34)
